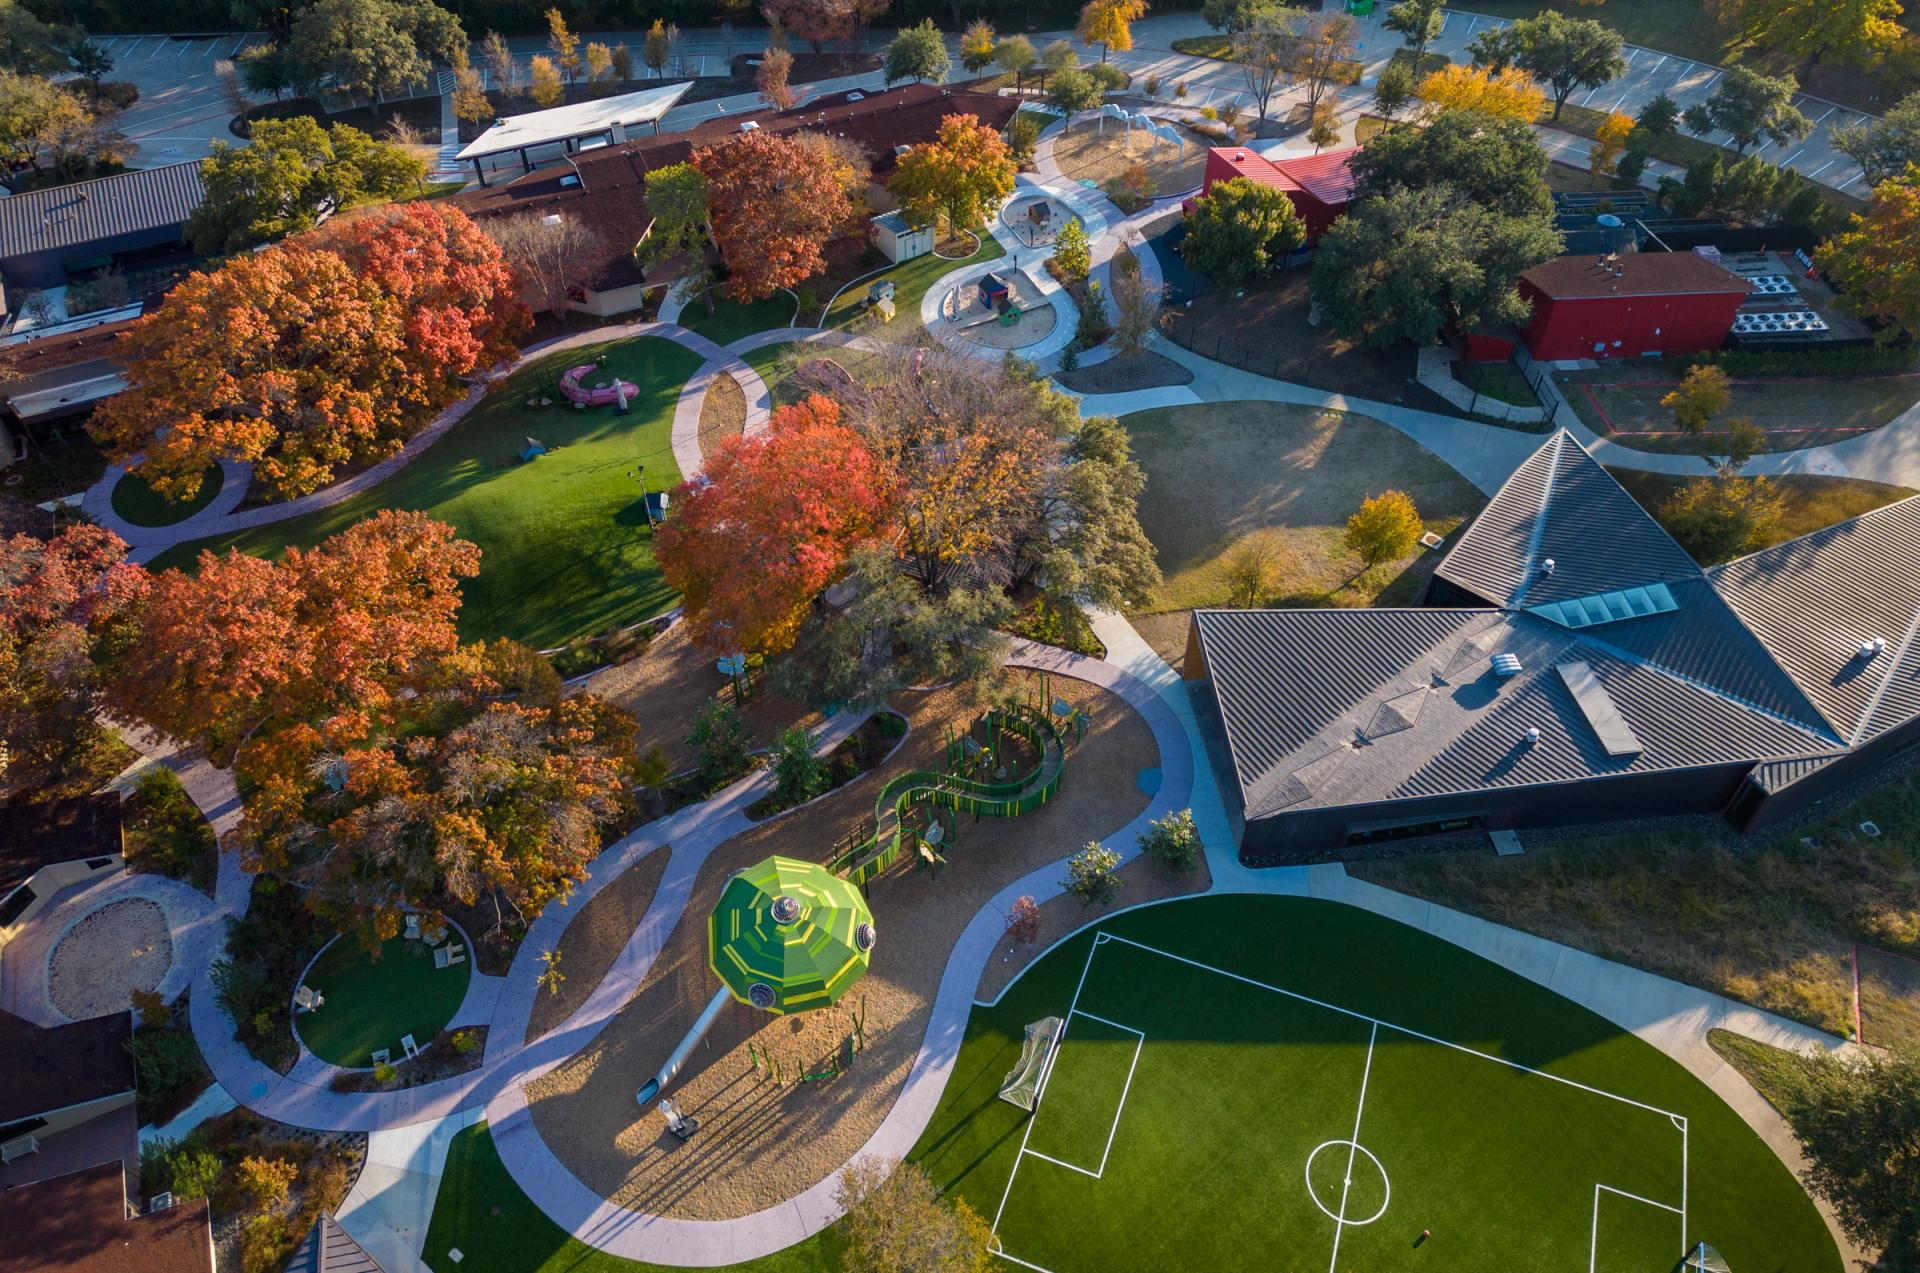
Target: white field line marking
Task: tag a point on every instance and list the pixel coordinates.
(1022, 1263)
(1058, 1162)
(1361, 1016)
(1593, 1241)
(1040, 1090)
(1353, 1150)
(1634, 1197)
(1140, 1041)
(1684, 1136)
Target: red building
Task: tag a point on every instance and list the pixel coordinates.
(1319, 186)
(1639, 303)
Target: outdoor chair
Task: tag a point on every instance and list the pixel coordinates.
(382, 1056)
(306, 999)
(408, 1046)
(413, 928)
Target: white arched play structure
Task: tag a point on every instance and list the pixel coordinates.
(1157, 129)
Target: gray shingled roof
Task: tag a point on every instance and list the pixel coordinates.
(88, 211)
(1816, 600)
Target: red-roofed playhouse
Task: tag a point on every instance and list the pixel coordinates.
(1630, 305)
(1320, 186)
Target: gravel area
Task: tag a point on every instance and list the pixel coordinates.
(759, 1142)
(103, 959)
(1140, 881)
(595, 937)
(667, 685)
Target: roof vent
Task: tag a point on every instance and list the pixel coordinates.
(1533, 735)
(1506, 665)
(1546, 567)
(1870, 648)
(749, 125)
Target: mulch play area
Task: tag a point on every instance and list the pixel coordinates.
(760, 1142)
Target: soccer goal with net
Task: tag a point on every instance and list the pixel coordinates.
(1022, 1085)
(1704, 1259)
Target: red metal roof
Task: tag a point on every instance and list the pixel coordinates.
(1327, 176)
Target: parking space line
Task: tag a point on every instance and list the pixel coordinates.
(1823, 167)
(1795, 155)
(1709, 83)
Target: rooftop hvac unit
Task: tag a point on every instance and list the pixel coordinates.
(161, 1202)
(1533, 735)
(1506, 664)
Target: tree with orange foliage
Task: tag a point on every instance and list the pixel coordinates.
(770, 524)
(776, 65)
(773, 210)
(330, 350)
(1609, 143)
(815, 21)
(61, 603)
(1506, 93)
(962, 172)
(245, 647)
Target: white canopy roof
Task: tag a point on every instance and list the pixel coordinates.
(582, 119)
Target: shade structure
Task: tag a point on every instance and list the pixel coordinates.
(789, 936)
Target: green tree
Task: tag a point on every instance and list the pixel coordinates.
(1093, 874)
(1497, 163)
(264, 69)
(28, 106)
(1415, 264)
(1386, 527)
(371, 47)
(1241, 231)
(1394, 90)
(1703, 394)
(1660, 116)
(1173, 841)
(1014, 55)
(1858, 1119)
(1883, 147)
(798, 773)
(977, 47)
(1059, 56)
(897, 1222)
(28, 45)
(719, 740)
(1566, 53)
(1749, 106)
(1872, 260)
(1073, 91)
(918, 53)
(1231, 16)
(1087, 542)
(677, 198)
(1856, 32)
(294, 175)
(1417, 22)
(1072, 255)
(1720, 517)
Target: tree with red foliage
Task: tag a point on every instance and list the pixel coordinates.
(455, 288)
(815, 21)
(61, 606)
(770, 525)
(245, 647)
(773, 210)
(330, 350)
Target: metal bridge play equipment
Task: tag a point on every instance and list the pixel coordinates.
(978, 778)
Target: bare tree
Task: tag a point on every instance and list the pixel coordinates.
(1264, 52)
(548, 250)
(228, 76)
(499, 58)
(1323, 42)
(1136, 305)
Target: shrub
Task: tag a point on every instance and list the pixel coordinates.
(1022, 136)
(465, 1041)
(264, 1244)
(168, 1069)
(105, 290)
(1131, 191)
(265, 1182)
(165, 831)
(719, 737)
(1172, 841)
(1152, 86)
(1108, 76)
(1072, 256)
(1093, 874)
(151, 1007)
(798, 774)
(383, 1072)
(266, 950)
(1251, 570)
(1209, 113)
(1023, 921)
(1180, 89)
(187, 1168)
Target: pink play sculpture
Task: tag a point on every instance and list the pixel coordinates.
(614, 393)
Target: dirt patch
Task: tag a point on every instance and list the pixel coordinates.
(120, 948)
(1126, 374)
(762, 1142)
(1220, 473)
(1085, 153)
(667, 685)
(595, 937)
(1167, 634)
(1140, 881)
(723, 412)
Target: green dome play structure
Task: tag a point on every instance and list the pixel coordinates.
(789, 936)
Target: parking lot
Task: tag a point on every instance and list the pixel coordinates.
(181, 111)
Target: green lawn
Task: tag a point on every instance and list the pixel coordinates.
(371, 1002)
(564, 542)
(483, 1214)
(731, 320)
(1242, 1099)
(138, 503)
(1621, 401)
(910, 279)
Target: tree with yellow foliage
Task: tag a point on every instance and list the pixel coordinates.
(545, 87)
(1508, 93)
(1609, 143)
(1109, 24)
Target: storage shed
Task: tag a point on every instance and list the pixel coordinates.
(900, 239)
(1630, 304)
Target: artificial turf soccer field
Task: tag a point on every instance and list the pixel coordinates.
(1277, 1083)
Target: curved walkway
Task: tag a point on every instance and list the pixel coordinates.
(148, 542)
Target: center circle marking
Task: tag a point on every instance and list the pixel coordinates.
(1356, 1148)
